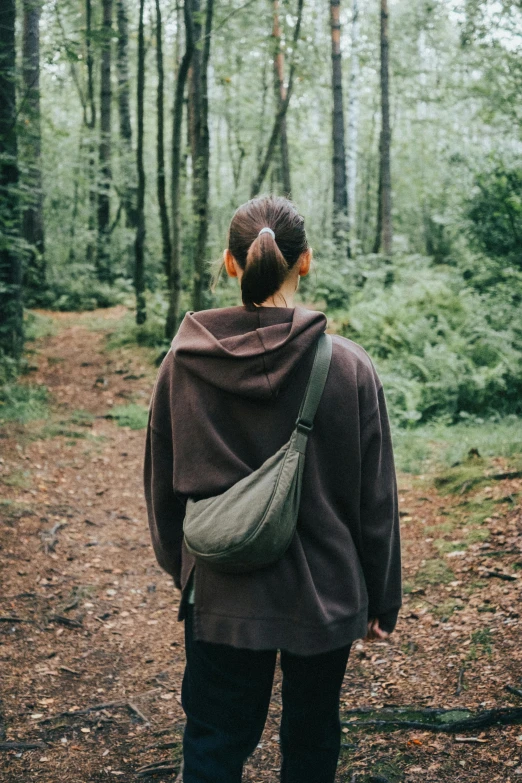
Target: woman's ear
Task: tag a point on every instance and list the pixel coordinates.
(231, 264)
(305, 262)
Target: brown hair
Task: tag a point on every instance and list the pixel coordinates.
(265, 260)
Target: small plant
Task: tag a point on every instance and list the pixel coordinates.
(481, 641)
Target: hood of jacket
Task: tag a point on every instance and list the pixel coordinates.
(245, 352)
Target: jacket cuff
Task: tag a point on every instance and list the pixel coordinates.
(387, 620)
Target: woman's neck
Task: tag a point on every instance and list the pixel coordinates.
(284, 297)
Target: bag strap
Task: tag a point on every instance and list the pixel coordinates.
(315, 386)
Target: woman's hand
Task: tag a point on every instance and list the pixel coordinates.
(374, 632)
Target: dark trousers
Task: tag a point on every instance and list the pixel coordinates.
(226, 694)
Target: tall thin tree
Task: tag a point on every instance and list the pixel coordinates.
(200, 144)
(105, 174)
(384, 234)
(139, 246)
(266, 157)
(280, 96)
(340, 196)
(175, 205)
(90, 124)
(128, 195)
(353, 121)
(160, 149)
(11, 312)
(32, 220)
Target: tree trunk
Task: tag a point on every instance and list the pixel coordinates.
(340, 199)
(32, 220)
(386, 236)
(161, 184)
(175, 262)
(139, 247)
(200, 142)
(353, 123)
(122, 68)
(280, 92)
(11, 312)
(103, 252)
(258, 180)
(91, 125)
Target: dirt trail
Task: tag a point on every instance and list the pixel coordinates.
(88, 618)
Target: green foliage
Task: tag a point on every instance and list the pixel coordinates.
(9, 368)
(133, 416)
(37, 326)
(76, 292)
(22, 403)
(443, 349)
(151, 334)
(495, 212)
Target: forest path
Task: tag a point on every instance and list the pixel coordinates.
(87, 618)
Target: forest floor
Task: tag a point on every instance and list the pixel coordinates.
(91, 653)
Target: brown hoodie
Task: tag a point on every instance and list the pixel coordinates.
(225, 399)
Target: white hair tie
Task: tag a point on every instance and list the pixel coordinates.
(267, 230)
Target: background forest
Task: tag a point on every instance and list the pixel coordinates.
(129, 133)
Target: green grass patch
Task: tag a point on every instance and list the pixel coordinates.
(59, 430)
(82, 418)
(461, 478)
(434, 572)
(481, 643)
(18, 478)
(14, 509)
(477, 510)
(440, 529)
(37, 326)
(151, 334)
(434, 446)
(21, 403)
(476, 535)
(133, 416)
(445, 609)
(449, 546)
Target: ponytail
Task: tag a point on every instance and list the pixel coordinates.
(266, 257)
(265, 270)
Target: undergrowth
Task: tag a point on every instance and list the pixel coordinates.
(22, 403)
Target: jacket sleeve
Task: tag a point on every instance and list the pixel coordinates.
(165, 510)
(380, 530)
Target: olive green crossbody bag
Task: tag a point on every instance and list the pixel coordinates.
(252, 523)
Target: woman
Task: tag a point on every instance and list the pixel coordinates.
(226, 398)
